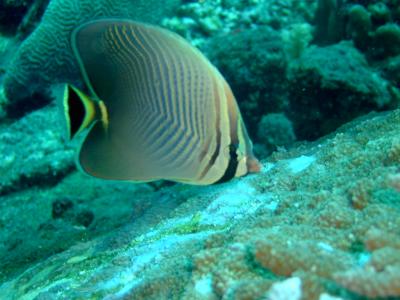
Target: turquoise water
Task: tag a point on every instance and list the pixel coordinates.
(318, 87)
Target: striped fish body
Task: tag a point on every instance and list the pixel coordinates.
(158, 109)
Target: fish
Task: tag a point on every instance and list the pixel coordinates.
(153, 107)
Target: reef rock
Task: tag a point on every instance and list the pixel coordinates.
(45, 57)
(321, 219)
(33, 151)
(331, 85)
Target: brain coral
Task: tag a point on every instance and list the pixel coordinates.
(45, 57)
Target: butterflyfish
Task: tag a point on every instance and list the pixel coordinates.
(153, 108)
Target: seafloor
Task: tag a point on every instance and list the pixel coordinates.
(318, 85)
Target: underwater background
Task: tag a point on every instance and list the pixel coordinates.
(318, 85)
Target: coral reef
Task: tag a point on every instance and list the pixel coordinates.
(20, 17)
(365, 23)
(255, 58)
(321, 221)
(12, 13)
(254, 66)
(329, 21)
(330, 86)
(275, 130)
(45, 57)
(201, 19)
(26, 163)
(293, 226)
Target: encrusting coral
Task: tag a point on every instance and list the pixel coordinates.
(45, 57)
(296, 224)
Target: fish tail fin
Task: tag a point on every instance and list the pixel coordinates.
(81, 111)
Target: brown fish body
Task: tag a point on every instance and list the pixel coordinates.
(163, 110)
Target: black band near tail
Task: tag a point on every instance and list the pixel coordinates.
(232, 165)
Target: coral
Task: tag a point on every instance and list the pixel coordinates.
(275, 130)
(277, 256)
(394, 151)
(229, 272)
(41, 159)
(239, 240)
(372, 283)
(5, 47)
(254, 56)
(335, 214)
(372, 26)
(329, 86)
(297, 39)
(391, 69)
(360, 194)
(32, 18)
(386, 40)
(45, 57)
(376, 239)
(359, 25)
(20, 17)
(250, 59)
(329, 22)
(202, 19)
(380, 12)
(12, 13)
(3, 103)
(321, 218)
(289, 289)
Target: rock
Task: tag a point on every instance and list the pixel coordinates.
(35, 153)
(85, 218)
(329, 86)
(275, 130)
(254, 63)
(251, 238)
(60, 207)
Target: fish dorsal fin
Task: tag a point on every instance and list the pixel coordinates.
(169, 112)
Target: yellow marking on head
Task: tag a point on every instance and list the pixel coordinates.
(104, 115)
(90, 109)
(65, 108)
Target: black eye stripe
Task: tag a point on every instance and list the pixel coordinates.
(76, 112)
